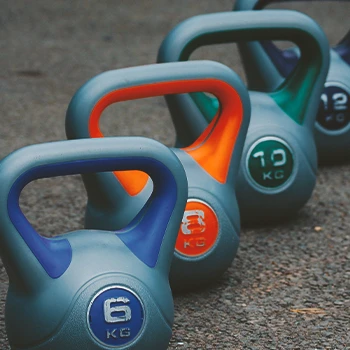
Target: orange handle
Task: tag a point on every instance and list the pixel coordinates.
(212, 150)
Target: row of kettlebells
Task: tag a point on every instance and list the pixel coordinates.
(107, 286)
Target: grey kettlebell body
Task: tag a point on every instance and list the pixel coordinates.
(209, 232)
(279, 161)
(91, 289)
(332, 126)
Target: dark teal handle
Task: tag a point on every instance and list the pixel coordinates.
(305, 82)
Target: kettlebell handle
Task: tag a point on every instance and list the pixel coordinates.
(304, 84)
(285, 66)
(259, 4)
(19, 241)
(87, 105)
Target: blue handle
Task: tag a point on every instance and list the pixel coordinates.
(286, 60)
(145, 234)
(343, 48)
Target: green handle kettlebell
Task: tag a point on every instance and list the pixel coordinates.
(91, 289)
(279, 160)
(332, 127)
(209, 233)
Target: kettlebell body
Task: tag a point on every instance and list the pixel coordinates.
(208, 236)
(332, 127)
(279, 161)
(91, 289)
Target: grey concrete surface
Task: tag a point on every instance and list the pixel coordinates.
(289, 287)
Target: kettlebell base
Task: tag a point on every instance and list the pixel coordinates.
(74, 332)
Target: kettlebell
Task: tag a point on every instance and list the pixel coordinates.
(208, 236)
(91, 289)
(279, 161)
(332, 127)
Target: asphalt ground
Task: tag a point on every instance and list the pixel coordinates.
(289, 287)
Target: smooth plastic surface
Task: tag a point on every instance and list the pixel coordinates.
(55, 283)
(281, 127)
(332, 128)
(208, 241)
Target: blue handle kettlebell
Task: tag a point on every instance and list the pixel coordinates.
(279, 161)
(209, 233)
(332, 127)
(91, 289)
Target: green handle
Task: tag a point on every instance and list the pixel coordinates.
(299, 94)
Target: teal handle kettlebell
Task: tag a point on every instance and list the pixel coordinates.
(279, 161)
(91, 289)
(332, 127)
(208, 236)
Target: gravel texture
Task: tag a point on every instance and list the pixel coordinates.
(289, 287)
